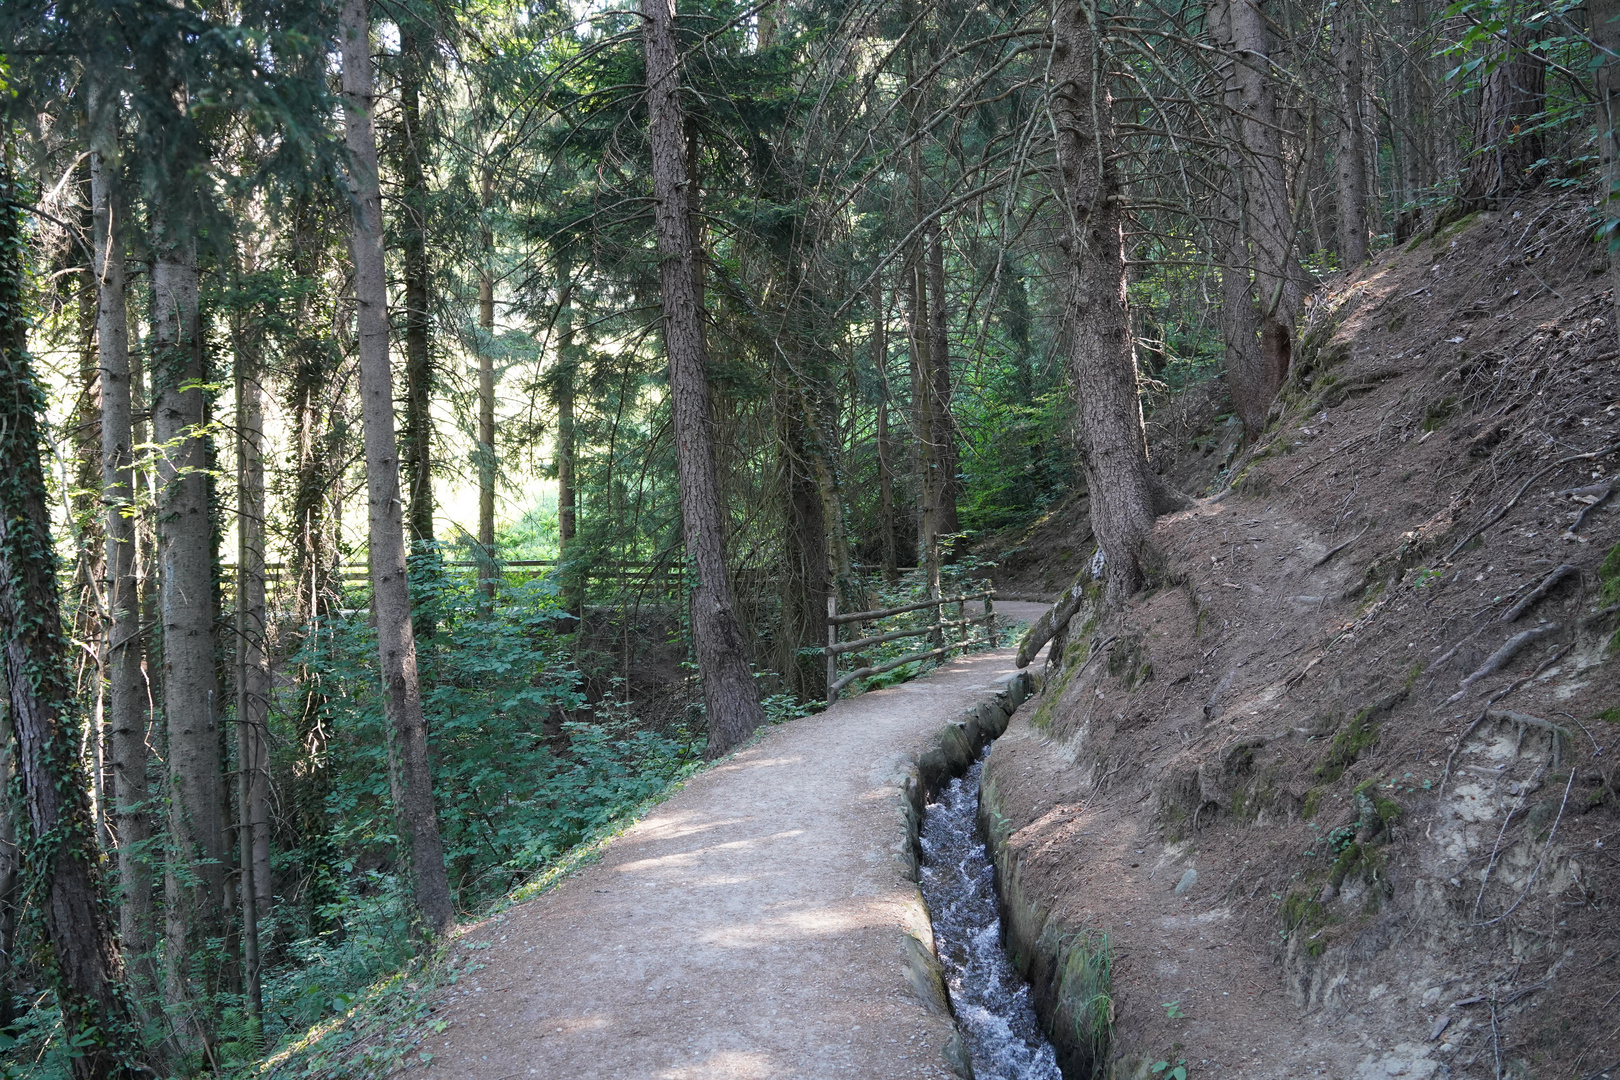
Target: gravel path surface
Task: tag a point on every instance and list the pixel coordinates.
(752, 927)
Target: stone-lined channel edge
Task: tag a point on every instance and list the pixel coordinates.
(1057, 960)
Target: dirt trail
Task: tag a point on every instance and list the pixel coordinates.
(752, 926)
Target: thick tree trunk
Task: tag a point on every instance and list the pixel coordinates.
(1102, 361)
(1507, 142)
(1350, 163)
(252, 660)
(126, 644)
(391, 598)
(486, 400)
(1256, 371)
(728, 688)
(195, 879)
(1604, 25)
(417, 459)
(86, 970)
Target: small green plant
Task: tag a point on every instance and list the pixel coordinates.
(1424, 578)
(1178, 1071)
(1172, 1010)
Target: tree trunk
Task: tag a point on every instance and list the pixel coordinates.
(728, 689)
(252, 661)
(1102, 361)
(420, 375)
(1507, 141)
(939, 387)
(86, 971)
(391, 598)
(316, 450)
(885, 446)
(1350, 163)
(1604, 19)
(126, 651)
(486, 399)
(922, 399)
(1256, 372)
(803, 570)
(195, 879)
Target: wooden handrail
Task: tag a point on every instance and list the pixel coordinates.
(884, 613)
(940, 626)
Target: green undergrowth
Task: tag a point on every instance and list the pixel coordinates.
(1085, 994)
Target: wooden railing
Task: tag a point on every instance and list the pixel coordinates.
(939, 631)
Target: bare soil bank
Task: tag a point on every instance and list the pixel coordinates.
(1340, 786)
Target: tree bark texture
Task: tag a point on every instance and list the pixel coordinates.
(419, 369)
(728, 688)
(1256, 368)
(252, 658)
(391, 598)
(924, 422)
(1102, 362)
(1506, 140)
(62, 844)
(195, 878)
(1350, 162)
(126, 644)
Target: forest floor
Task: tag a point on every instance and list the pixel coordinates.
(752, 926)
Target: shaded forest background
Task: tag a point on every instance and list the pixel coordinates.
(229, 228)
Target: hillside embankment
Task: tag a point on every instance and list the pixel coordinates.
(1339, 786)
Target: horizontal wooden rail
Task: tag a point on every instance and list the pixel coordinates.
(878, 669)
(940, 627)
(884, 613)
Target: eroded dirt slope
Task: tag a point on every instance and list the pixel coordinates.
(1370, 701)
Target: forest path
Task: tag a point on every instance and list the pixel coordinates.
(752, 927)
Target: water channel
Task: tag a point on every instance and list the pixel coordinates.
(991, 1000)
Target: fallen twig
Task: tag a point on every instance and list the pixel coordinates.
(1511, 503)
(1508, 651)
(1334, 551)
(1546, 586)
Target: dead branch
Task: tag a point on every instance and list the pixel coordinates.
(1334, 551)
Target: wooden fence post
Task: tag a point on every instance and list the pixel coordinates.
(990, 616)
(832, 639)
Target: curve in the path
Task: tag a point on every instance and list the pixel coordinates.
(752, 927)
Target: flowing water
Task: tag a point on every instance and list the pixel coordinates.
(990, 998)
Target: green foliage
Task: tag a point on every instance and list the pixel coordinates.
(1178, 1071)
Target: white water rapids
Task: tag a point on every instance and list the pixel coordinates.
(989, 997)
